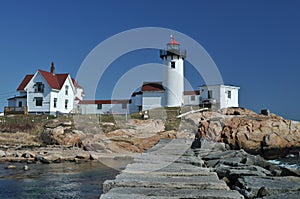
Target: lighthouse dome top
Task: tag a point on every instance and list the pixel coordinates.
(173, 49)
(173, 44)
(173, 41)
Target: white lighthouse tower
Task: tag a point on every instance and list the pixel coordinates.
(173, 74)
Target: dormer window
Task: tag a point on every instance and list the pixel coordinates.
(39, 87)
(67, 89)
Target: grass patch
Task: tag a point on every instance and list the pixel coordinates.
(23, 123)
(172, 124)
(136, 116)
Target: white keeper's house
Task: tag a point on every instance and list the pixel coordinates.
(46, 93)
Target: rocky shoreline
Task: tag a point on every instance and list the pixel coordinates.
(84, 137)
(62, 141)
(47, 155)
(230, 136)
(270, 136)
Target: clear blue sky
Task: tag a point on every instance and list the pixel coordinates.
(255, 44)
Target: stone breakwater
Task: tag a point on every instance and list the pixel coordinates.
(168, 170)
(171, 169)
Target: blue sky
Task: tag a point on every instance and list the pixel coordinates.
(255, 44)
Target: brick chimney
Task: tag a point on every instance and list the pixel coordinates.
(52, 69)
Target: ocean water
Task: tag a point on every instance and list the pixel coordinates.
(62, 180)
(290, 161)
(70, 180)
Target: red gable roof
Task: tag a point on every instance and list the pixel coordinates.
(55, 81)
(25, 81)
(152, 86)
(197, 92)
(104, 102)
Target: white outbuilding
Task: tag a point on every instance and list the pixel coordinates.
(219, 96)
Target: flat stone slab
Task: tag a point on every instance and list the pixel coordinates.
(289, 195)
(177, 183)
(166, 178)
(160, 193)
(174, 144)
(273, 185)
(157, 158)
(161, 167)
(201, 171)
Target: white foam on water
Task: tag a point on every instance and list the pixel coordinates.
(284, 164)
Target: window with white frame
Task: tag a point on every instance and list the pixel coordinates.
(38, 101)
(99, 106)
(193, 98)
(66, 104)
(229, 94)
(55, 102)
(39, 87)
(67, 90)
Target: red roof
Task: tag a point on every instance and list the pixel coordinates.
(173, 41)
(152, 86)
(197, 92)
(55, 81)
(136, 93)
(104, 101)
(25, 81)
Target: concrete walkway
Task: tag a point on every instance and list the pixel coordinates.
(167, 170)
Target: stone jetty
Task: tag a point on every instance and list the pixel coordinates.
(168, 170)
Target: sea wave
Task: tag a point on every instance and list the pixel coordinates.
(289, 162)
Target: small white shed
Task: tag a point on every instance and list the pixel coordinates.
(219, 96)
